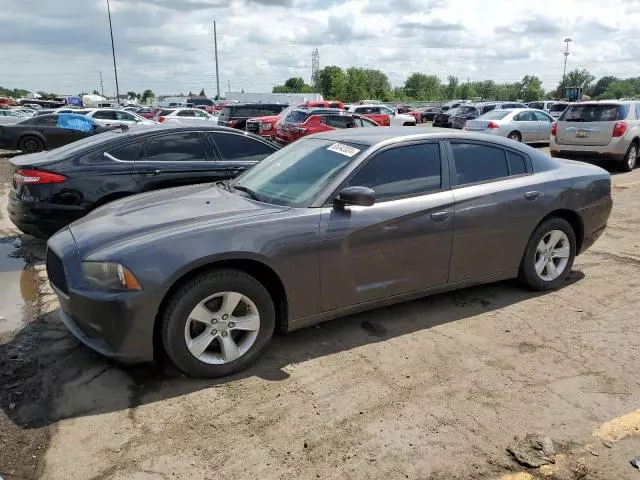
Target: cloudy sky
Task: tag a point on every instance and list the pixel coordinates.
(167, 45)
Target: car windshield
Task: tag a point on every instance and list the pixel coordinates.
(295, 175)
(595, 113)
(296, 116)
(494, 115)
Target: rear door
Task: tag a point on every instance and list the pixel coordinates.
(544, 125)
(498, 202)
(105, 118)
(339, 121)
(175, 159)
(528, 126)
(237, 152)
(589, 123)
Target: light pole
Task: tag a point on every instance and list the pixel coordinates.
(566, 40)
(113, 52)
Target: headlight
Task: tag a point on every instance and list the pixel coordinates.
(109, 276)
(266, 126)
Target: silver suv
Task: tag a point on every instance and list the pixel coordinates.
(605, 129)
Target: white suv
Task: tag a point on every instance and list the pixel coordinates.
(604, 129)
(383, 115)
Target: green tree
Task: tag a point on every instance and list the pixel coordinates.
(602, 85)
(627, 88)
(296, 84)
(202, 94)
(531, 88)
(132, 95)
(147, 95)
(356, 86)
(422, 87)
(579, 77)
(451, 89)
(486, 89)
(467, 91)
(47, 96)
(332, 82)
(378, 85)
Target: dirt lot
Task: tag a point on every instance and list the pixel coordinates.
(432, 389)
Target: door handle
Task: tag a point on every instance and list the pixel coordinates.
(440, 216)
(148, 172)
(532, 195)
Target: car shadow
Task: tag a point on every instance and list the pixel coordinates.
(47, 376)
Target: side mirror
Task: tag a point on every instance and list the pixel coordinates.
(359, 196)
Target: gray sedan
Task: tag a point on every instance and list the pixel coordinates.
(526, 125)
(333, 224)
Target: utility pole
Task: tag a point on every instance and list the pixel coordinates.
(113, 52)
(215, 46)
(229, 84)
(567, 40)
(315, 67)
(101, 85)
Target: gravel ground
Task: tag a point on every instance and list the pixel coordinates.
(432, 389)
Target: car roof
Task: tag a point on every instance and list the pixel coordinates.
(259, 104)
(374, 136)
(360, 105)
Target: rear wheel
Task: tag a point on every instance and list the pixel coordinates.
(549, 255)
(515, 136)
(423, 119)
(30, 144)
(631, 158)
(218, 323)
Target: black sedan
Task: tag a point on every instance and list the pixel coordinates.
(464, 113)
(334, 223)
(36, 134)
(428, 114)
(52, 189)
(443, 119)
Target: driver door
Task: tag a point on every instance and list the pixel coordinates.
(400, 244)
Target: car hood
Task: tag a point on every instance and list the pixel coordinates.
(269, 119)
(158, 214)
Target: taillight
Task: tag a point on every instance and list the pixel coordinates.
(265, 126)
(36, 177)
(493, 125)
(161, 119)
(619, 129)
(299, 130)
(232, 123)
(554, 129)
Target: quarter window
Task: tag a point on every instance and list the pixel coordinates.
(517, 163)
(177, 147)
(128, 153)
(478, 163)
(242, 148)
(409, 170)
(340, 121)
(51, 121)
(186, 113)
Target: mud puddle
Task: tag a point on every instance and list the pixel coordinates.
(19, 286)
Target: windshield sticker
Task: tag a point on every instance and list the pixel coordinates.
(343, 149)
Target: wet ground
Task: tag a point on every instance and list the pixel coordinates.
(432, 389)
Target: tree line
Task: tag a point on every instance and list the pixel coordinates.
(355, 84)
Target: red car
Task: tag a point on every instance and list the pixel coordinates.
(302, 122)
(324, 104)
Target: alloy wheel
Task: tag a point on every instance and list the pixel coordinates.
(222, 327)
(552, 255)
(633, 156)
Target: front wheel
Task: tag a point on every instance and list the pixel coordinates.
(30, 144)
(218, 323)
(515, 136)
(549, 255)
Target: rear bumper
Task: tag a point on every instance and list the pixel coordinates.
(615, 150)
(41, 220)
(594, 218)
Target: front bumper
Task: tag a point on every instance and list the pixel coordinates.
(118, 325)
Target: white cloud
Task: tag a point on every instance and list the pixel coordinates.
(167, 45)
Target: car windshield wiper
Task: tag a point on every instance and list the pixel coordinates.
(251, 193)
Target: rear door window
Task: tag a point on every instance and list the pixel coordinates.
(475, 162)
(127, 153)
(175, 147)
(595, 113)
(105, 115)
(340, 121)
(47, 121)
(241, 148)
(185, 113)
(488, 108)
(542, 117)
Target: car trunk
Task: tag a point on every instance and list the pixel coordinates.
(589, 124)
(477, 125)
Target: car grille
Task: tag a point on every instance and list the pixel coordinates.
(55, 272)
(253, 127)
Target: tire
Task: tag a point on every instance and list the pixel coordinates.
(408, 124)
(31, 144)
(515, 136)
(546, 232)
(188, 300)
(631, 158)
(423, 119)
